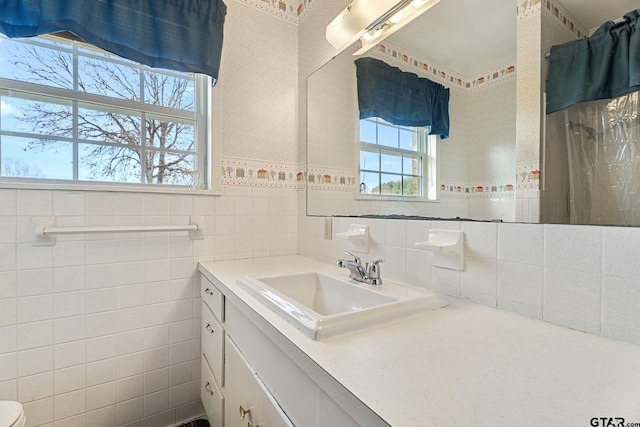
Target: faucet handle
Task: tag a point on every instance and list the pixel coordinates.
(373, 271)
(356, 258)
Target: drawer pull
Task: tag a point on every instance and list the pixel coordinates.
(208, 291)
(209, 328)
(207, 387)
(244, 412)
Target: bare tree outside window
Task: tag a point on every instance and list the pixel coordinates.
(133, 136)
(19, 168)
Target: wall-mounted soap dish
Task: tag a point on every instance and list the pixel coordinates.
(446, 247)
(358, 235)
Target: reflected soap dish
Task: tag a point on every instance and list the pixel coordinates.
(358, 235)
(447, 248)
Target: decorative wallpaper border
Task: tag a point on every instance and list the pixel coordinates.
(331, 179)
(293, 11)
(304, 7)
(563, 19)
(556, 12)
(493, 76)
(256, 173)
(528, 175)
(395, 54)
(528, 8)
(450, 189)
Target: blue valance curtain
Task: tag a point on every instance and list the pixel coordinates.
(181, 35)
(605, 65)
(401, 98)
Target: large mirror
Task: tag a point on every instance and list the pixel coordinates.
(469, 47)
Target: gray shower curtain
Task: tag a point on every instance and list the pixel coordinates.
(603, 146)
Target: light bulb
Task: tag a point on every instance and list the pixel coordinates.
(397, 17)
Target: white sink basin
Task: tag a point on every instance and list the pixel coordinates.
(321, 304)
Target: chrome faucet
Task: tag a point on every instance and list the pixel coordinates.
(370, 273)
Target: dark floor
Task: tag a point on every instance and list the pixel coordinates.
(196, 423)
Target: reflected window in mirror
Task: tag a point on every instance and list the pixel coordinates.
(397, 160)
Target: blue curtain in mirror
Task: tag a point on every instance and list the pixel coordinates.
(605, 65)
(401, 98)
(181, 35)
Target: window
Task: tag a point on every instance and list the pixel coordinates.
(396, 160)
(70, 112)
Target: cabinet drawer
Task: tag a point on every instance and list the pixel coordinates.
(212, 398)
(212, 337)
(213, 297)
(248, 402)
(296, 393)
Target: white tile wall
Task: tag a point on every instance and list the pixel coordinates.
(120, 308)
(582, 277)
(101, 329)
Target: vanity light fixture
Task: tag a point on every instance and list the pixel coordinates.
(372, 21)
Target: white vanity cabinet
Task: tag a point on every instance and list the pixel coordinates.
(248, 403)
(248, 380)
(212, 359)
(212, 339)
(211, 395)
(232, 393)
(303, 401)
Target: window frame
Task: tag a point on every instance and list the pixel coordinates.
(429, 164)
(207, 132)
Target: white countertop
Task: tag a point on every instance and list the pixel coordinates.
(464, 364)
